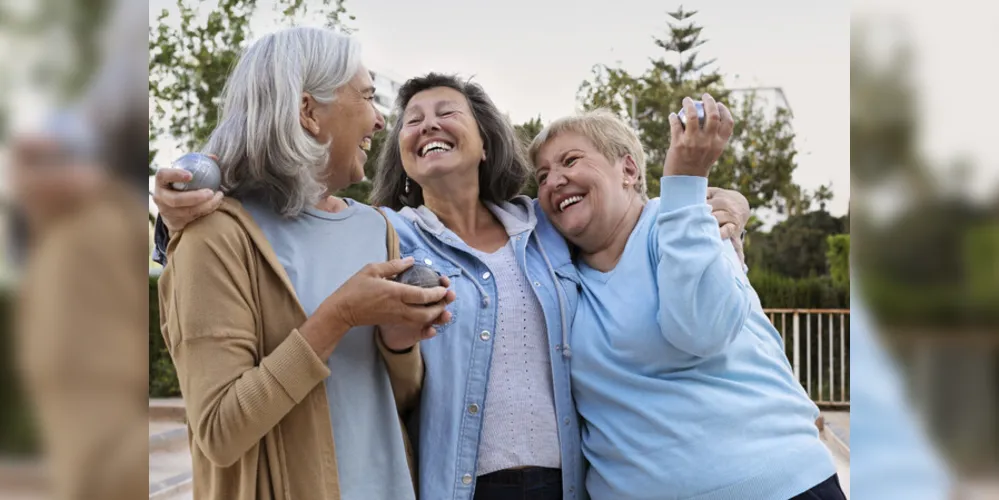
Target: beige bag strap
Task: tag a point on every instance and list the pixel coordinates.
(391, 238)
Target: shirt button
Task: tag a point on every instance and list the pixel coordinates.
(428, 262)
(486, 275)
(484, 335)
(537, 283)
(466, 479)
(473, 408)
(566, 421)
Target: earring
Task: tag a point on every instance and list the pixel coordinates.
(625, 184)
(407, 185)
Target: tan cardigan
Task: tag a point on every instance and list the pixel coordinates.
(258, 416)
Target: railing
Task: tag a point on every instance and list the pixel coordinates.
(817, 345)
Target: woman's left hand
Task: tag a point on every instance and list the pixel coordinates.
(731, 209)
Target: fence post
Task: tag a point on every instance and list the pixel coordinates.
(796, 336)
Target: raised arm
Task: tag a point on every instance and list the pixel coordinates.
(704, 297)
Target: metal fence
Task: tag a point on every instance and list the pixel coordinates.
(817, 344)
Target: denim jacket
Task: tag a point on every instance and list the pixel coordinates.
(448, 424)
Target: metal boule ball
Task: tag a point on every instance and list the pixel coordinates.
(700, 115)
(205, 172)
(419, 275)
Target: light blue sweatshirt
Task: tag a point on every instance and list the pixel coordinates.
(681, 380)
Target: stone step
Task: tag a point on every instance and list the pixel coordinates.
(167, 410)
(169, 452)
(834, 429)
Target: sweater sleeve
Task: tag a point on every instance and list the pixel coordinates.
(703, 302)
(233, 395)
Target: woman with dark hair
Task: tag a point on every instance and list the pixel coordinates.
(496, 419)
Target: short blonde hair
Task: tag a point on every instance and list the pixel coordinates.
(606, 131)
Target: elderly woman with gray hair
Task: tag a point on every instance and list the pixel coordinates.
(679, 377)
(268, 303)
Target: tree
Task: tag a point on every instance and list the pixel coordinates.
(761, 158)
(527, 131)
(823, 195)
(797, 246)
(70, 29)
(838, 259)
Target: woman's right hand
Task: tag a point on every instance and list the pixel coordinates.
(180, 208)
(371, 297)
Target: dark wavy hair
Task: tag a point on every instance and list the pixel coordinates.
(502, 175)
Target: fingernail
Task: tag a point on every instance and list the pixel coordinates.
(408, 259)
(673, 115)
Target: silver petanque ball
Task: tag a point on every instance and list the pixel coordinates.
(419, 275)
(205, 172)
(700, 115)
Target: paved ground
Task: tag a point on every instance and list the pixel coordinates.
(839, 421)
(837, 424)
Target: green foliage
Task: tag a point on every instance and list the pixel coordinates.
(981, 256)
(18, 431)
(838, 259)
(82, 25)
(761, 158)
(797, 246)
(162, 376)
(814, 292)
(526, 132)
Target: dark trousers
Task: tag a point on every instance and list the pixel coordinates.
(826, 490)
(532, 483)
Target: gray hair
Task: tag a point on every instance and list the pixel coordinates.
(501, 176)
(264, 152)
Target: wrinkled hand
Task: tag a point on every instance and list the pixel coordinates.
(400, 337)
(731, 209)
(371, 297)
(693, 151)
(180, 208)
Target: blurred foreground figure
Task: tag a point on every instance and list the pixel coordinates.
(892, 457)
(82, 316)
(78, 182)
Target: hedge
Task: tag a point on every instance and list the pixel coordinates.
(18, 429)
(162, 377)
(780, 292)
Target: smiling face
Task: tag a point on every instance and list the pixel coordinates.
(581, 191)
(439, 136)
(347, 124)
